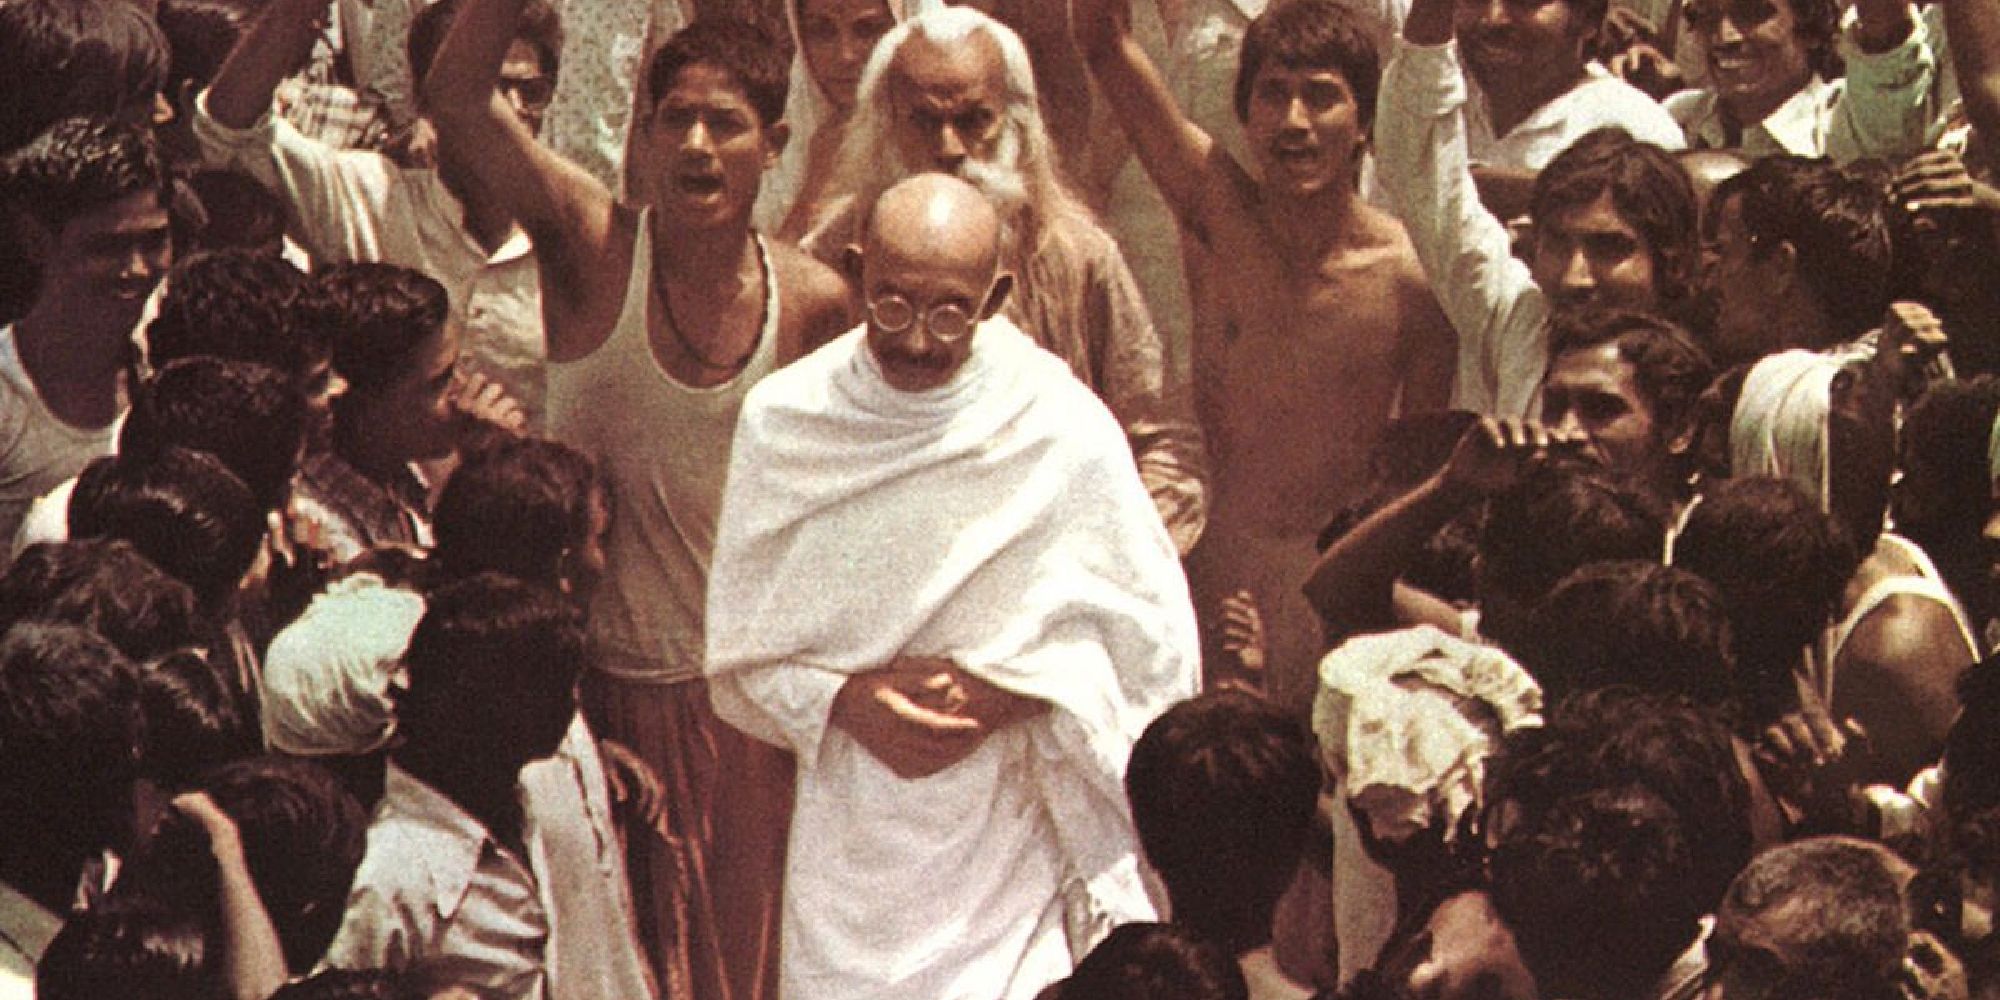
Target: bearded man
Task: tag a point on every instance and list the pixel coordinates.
(952, 91)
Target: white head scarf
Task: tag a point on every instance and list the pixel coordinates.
(1780, 425)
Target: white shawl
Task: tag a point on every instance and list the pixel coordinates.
(999, 521)
(1779, 427)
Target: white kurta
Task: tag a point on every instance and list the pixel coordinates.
(997, 521)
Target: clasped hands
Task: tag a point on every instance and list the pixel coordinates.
(919, 715)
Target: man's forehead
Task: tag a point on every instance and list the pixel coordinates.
(1597, 217)
(705, 85)
(969, 70)
(139, 212)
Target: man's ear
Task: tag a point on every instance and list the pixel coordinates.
(1787, 256)
(850, 264)
(1683, 440)
(775, 139)
(1003, 285)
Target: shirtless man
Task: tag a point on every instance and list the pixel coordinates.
(1320, 322)
(650, 355)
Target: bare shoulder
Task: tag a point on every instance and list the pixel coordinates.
(814, 298)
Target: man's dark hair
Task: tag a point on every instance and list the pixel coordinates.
(1311, 34)
(1972, 748)
(539, 26)
(1817, 24)
(1637, 624)
(1223, 789)
(518, 506)
(1648, 187)
(303, 836)
(1947, 431)
(1668, 366)
(746, 52)
(226, 210)
(106, 586)
(79, 165)
(375, 316)
(1829, 911)
(487, 645)
(132, 946)
(1143, 961)
(239, 305)
(1620, 825)
(200, 35)
(1781, 564)
(1837, 227)
(74, 58)
(69, 732)
(1560, 516)
(193, 720)
(182, 509)
(250, 417)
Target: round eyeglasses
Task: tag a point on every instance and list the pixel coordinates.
(947, 321)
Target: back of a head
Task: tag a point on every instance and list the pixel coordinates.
(1636, 801)
(194, 720)
(1311, 34)
(200, 35)
(74, 58)
(748, 53)
(1223, 789)
(519, 506)
(251, 417)
(1826, 917)
(492, 664)
(1637, 624)
(79, 165)
(303, 836)
(135, 948)
(182, 509)
(1837, 228)
(69, 732)
(1560, 516)
(234, 304)
(227, 210)
(1648, 188)
(1946, 440)
(1780, 563)
(1154, 962)
(106, 586)
(1972, 748)
(374, 316)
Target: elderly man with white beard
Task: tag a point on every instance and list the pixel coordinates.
(939, 580)
(952, 91)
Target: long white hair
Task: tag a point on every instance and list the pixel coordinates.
(1025, 184)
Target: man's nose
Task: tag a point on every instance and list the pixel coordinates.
(950, 148)
(698, 136)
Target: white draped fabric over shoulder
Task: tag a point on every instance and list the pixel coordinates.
(998, 521)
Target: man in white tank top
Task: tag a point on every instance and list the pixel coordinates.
(659, 319)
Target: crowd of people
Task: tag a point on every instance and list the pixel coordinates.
(827, 499)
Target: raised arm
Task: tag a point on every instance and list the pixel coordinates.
(571, 216)
(273, 49)
(1972, 30)
(1173, 150)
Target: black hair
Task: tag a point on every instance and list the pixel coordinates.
(250, 417)
(1311, 34)
(1637, 624)
(1145, 961)
(1668, 366)
(1223, 789)
(200, 35)
(193, 720)
(74, 58)
(303, 837)
(376, 316)
(1831, 919)
(1619, 825)
(1781, 564)
(227, 210)
(69, 732)
(745, 51)
(104, 585)
(79, 165)
(132, 947)
(518, 506)
(1836, 225)
(182, 509)
(1946, 434)
(539, 26)
(239, 305)
(1972, 748)
(487, 648)
(1648, 187)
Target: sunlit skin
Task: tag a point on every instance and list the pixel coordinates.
(932, 244)
(1590, 255)
(1304, 128)
(835, 37)
(710, 148)
(1756, 59)
(1593, 392)
(948, 101)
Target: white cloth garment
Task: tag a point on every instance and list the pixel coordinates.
(1779, 427)
(329, 676)
(996, 520)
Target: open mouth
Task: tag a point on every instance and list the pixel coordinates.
(699, 185)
